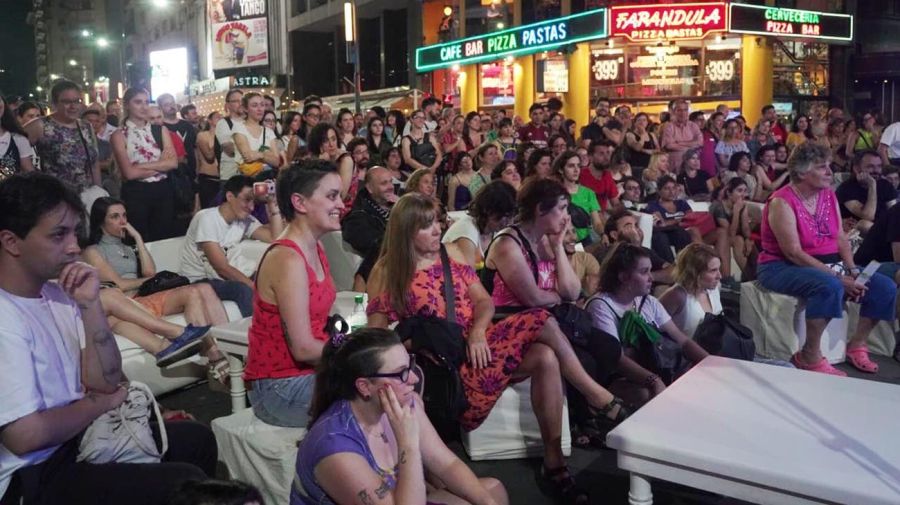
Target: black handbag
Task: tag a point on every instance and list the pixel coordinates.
(439, 346)
(161, 282)
(181, 182)
(721, 336)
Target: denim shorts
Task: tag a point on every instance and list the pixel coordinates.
(283, 402)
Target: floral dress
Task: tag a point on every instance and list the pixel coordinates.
(508, 339)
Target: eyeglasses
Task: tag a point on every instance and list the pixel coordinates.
(418, 117)
(316, 116)
(235, 101)
(69, 103)
(403, 375)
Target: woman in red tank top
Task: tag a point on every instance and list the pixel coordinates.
(293, 296)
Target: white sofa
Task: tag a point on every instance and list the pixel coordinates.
(140, 365)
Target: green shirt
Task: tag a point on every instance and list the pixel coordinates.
(585, 199)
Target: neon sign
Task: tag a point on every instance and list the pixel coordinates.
(526, 39)
(762, 20)
(668, 22)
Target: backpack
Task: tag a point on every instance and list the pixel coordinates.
(181, 182)
(217, 147)
(719, 335)
(439, 347)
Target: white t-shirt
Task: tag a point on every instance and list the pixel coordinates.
(228, 166)
(692, 314)
(208, 225)
(255, 143)
(607, 319)
(464, 227)
(22, 144)
(891, 138)
(40, 363)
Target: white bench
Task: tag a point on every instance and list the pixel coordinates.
(342, 261)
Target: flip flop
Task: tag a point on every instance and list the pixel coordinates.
(859, 357)
(823, 366)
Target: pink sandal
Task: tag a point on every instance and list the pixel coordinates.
(859, 357)
(823, 366)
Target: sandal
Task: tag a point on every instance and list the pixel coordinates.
(589, 436)
(217, 374)
(859, 357)
(562, 484)
(601, 415)
(823, 366)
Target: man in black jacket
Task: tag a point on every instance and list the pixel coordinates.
(363, 228)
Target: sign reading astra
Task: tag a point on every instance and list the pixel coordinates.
(520, 40)
(668, 22)
(762, 20)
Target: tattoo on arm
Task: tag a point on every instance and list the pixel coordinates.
(402, 457)
(382, 491)
(365, 498)
(284, 331)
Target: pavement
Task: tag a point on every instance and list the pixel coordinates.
(594, 469)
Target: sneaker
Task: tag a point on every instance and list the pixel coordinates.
(183, 346)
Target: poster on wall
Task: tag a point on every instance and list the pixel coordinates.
(240, 33)
(168, 72)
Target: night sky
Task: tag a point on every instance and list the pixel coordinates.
(17, 59)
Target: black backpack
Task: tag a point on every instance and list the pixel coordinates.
(439, 347)
(721, 336)
(181, 182)
(217, 147)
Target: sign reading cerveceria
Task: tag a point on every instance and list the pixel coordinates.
(520, 40)
(762, 20)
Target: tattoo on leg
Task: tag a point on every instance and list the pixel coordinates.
(382, 491)
(365, 498)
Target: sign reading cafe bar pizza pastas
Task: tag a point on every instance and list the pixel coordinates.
(763, 20)
(525, 39)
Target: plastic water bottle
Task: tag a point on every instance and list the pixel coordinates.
(358, 318)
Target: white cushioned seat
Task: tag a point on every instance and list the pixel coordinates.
(258, 453)
(511, 429)
(341, 259)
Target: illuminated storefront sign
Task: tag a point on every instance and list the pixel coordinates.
(541, 36)
(553, 76)
(762, 20)
(668, 22)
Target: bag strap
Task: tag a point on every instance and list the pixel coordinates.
(449, 290)
(156, 131)
(87, 152)
(164, 438)
(527, 246)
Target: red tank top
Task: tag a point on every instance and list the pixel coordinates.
(268, 356)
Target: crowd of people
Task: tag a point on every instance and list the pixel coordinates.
(498, 233)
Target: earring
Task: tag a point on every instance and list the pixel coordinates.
(366, 398)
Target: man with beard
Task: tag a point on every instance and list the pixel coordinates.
(185, 130)
(622, 226)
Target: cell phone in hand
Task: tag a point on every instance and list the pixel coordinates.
(263, 189)
(866, 275)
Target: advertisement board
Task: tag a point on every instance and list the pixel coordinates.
(168, 72)
(240, 33)
(688, 21)
(812, 25)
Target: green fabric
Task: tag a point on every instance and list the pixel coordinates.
(632, 326)
(587, 200)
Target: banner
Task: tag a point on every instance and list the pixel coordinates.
(240, 33)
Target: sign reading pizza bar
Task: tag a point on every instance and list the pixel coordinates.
(762, 20)
(542, 36)
(688, 21)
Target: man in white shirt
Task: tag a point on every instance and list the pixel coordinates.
(889, 147)
(230, 157)
(212, 243)
(60, 367)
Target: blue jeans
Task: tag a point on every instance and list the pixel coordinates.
(824, 293)
(283, 402)
(234, 291)
(890, 269)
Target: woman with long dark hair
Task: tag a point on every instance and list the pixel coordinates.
(145, 154)
(377, 140)
(458, 194)
(15, 150)
(346, 128)
(472, 135)
(366, 418)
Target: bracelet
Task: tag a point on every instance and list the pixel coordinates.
(650, 380)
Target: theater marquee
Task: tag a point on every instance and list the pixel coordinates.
(689, 21)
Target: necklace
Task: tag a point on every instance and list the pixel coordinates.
(815, 218)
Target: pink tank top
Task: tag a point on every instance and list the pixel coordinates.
(504, 297)
(818, 233)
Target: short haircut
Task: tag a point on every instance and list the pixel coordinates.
(537, 197)
(60, 87)
(612, 223)
(269, 98)
(859, 156)
(763, 150)
(535, 107)
(90, 112)
(694, 115)
(231, 92)
(27, 106)
(110, 104)
(356, 142)
(495, 199)
(237, 183)
(666, 179)
(767, 108)
(302, 179)
(312, 99)
(597, 143)
(187, 110)
(804, 157)
(25, 198)
(194, 492)
(554, 104)
(430, 101)
(310, 106)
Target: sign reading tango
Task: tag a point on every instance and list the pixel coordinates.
(532, 38)
(762, 20)
(668, 22)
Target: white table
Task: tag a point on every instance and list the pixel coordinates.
(232, 340)
(766, 434)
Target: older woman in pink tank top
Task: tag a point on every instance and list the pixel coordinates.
(806, 254)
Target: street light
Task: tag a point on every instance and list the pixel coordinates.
(102, 42)
(85, 33)
(351, 39)
(73, 63)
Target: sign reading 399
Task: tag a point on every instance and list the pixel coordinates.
(606, 70)
(720, 70)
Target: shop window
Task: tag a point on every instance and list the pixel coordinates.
(551, 75)
(485, 16)
(800, 68)
(497, 84)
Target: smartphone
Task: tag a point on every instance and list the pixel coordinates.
(263, 189)
(863, 278)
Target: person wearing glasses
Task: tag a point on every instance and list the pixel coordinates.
(408, 281)
(420, 148)
(370, 441)
(806, 254)
(230, 158)
(865, 138)
(66, 145)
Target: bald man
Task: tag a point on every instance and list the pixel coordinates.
(363, 228)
